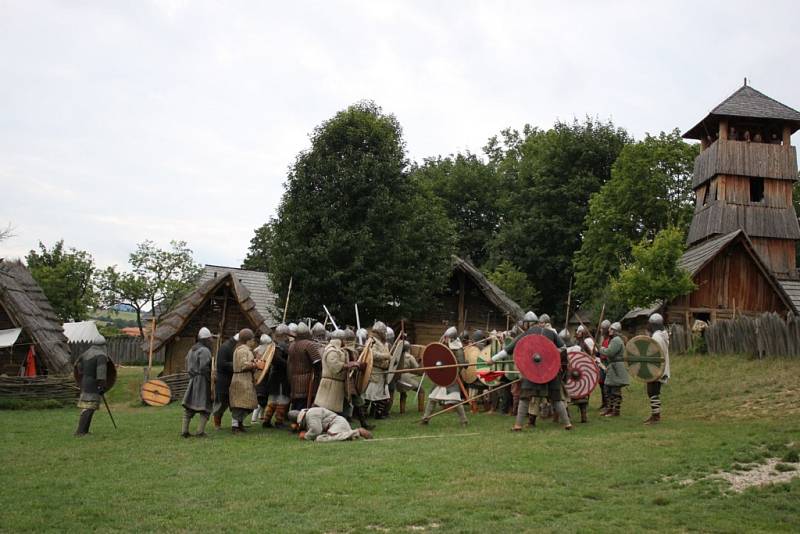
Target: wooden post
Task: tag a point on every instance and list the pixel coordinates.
(219, 341)
(787, 135)
(723, 130)
(152, 340)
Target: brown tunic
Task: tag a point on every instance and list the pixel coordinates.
(243, 392)
(303, 354)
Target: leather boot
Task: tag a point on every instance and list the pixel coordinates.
(280, 415)
(532, 421)
(421, 401)
(358, 411)
(582, 408)
(653, 419)
(473, 406)
(402, 403)
(266, 419)
(84, 421)
(217, 422)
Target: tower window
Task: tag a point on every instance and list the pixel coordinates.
(756, 189)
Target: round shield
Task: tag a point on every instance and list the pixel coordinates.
(472, 354)
(267, 357)
(582, 375)
(439, 355)
(537, 358)
(111, 375)
(395, 362)
(362, 377)
(644, 359)
(485, 364)
(156, 393)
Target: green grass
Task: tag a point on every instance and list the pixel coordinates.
(607, 475)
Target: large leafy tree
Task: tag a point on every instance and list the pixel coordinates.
(468, 189)
(515, 284)
(654, 273)
(353, 228)
(650, 190)
(257, 258)
(157, 280)
(65, 276)
(548, 178)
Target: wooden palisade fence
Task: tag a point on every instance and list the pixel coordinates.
(768, 334)
(123, 350)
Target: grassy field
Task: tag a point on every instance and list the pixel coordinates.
(608, 475)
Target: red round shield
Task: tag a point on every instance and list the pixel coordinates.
(439, 355)
(582, 375)
(537, 358)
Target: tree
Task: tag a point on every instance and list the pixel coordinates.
(515, 284)
(654, 275)
(650, 189)
(352, 227)
(6, 233)
(65, 276)
(257, 258)
(157, 280)
(468, 190)
(548, 178)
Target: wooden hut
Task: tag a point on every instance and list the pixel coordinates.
(744, 232)
(24, 305)
(222, 304)
(469, 302)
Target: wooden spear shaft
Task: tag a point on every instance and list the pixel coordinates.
(288, 294)
(569, 299)
(476, 397)
(428, 368)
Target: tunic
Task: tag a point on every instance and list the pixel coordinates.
(277, 380)
(452, 393)
(242, 391)
(224, 369)
(303, 354)
(378, 389)
(331, 390)
(408, 381)
(616, 372)
(324, 425)
(662, 338)
(198, 393)
(91, 365)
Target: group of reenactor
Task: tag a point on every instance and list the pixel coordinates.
(313, 376)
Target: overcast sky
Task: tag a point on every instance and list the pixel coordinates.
(124, 121)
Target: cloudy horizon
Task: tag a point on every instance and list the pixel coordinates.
(121, 122)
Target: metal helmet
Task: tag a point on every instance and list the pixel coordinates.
(264, 340)
(293, 329)
(544, 318)
(656, 319)
(605, 325)
(389, 333)
(303, 332)
(318, 330)
(379, 328)
(204, 333)
(616, 327)
(339, 334)
(451, 332)
(530, 317)
(564, 335)
(582, 331)
(406, 346)
(349, 335)
(295, 416)
(362, 335)
(281, 330)
(478, 335)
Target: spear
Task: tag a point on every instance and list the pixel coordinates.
(454, 406)
(288, 294)
(358, 319)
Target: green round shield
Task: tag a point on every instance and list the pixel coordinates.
(644, 358)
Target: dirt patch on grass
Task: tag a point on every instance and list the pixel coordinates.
(773, 471)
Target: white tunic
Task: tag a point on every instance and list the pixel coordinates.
(662, 338)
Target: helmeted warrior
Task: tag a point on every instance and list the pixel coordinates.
(478, 340)
(321, 425)
(303, 364)
(354, 401)
(92, 367)
(224, 374)
(318, 331)
(408, 380)
(264, 342)
(544, 322)
(277, 381)
(451, 394)
(655, 325)
(377, 390)
(552, 391)
(602, 361)
(585, 344)
(335, 366)
(292, 331)
(197, 399)
(361, 337)
(242, 391)
(616, 373)
(390, 336)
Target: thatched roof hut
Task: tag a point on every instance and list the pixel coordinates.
(222, 304)
(24, 305)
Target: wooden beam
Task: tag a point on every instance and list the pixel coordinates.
(787, 135)
(723, 129)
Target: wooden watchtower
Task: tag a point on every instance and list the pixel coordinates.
(744, 232)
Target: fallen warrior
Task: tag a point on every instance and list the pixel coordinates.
(321, 424)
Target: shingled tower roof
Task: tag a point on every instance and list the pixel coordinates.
(747, 103)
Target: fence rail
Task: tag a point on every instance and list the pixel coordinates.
(123, 349)
(765, 335)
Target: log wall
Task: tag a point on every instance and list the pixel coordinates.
(745, 159)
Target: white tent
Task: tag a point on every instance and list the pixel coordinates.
(83, 332)
(9, 337)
